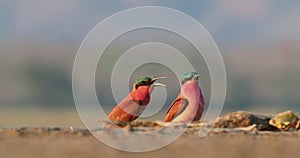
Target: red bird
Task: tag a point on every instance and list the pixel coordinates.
(189, 105)
(132, 106)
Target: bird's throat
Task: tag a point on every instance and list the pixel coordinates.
(141, 95)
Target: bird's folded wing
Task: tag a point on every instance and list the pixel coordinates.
(176, 109)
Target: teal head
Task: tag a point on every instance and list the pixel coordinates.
(189, 76)
(147, 81)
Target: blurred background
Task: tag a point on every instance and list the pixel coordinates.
(259, 41)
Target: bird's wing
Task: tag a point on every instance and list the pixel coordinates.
(120, 117)
(177, 107)
(126, 111)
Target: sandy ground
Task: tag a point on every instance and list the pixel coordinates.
(78, 143)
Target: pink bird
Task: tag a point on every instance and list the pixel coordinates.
(132, 106)
(189, 105)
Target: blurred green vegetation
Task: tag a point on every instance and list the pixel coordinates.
(267, 78)
(50, 86)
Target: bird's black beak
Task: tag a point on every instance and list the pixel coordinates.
(157, 84)
(196, 77)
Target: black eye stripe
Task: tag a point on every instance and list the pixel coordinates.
(143, 83)
(182, 82)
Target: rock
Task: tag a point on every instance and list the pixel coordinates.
(244, 119)
(285, 121)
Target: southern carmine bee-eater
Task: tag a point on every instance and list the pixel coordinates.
(189, 105)
(132, 106)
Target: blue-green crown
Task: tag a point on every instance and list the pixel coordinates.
(188, 76)
(143, 79)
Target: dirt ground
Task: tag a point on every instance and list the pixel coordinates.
(67, 143)
(234, 135)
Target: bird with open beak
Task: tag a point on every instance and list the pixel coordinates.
(189, 105)
(133, 105)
